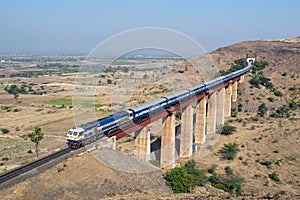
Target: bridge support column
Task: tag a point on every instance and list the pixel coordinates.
(113, 142)
(167, 157)
(186, 136)
(142, 144)
(211, 113)
(228, 100)
(220, 106)
(200, 121)
(242, 79)
(234, 91)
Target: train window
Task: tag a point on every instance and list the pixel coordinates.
(80, 134)
(70, 132)
(75, 133)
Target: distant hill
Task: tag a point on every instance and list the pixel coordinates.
(279, 53)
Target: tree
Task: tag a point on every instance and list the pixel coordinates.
(262, 109)
(36, 136)
(14, 90)
(179, 180)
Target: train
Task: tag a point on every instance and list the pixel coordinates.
(81, 135)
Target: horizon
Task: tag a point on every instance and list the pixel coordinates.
(61, 27)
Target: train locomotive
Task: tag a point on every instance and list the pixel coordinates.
(110, 125)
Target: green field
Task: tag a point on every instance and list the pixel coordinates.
(5, 107)
(61, 101)
(67, 101)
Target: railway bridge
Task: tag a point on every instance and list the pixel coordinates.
(201, 115)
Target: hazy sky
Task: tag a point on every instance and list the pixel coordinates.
(77, 26)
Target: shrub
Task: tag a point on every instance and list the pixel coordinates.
(271, 99)
(274, 177)
(233, 112)
(226, 129)
(284, 74)
(281, 112)
(268, 164)
(199, 176)
(230, 182)
(4, 130)
(293, 105)
(262, 109)
(184, 179)
(5, 159)
(212, 168)
(179, 180)
(292, 88)
(229, 151)
(278, 93)
(178, 114)
(228, 171)
(109, 81)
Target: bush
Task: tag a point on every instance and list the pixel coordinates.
(278, 93)
(284, 74)
(281, 112)
(4, 130)
(229, 151)
(262, 109)
(274, 177)
(5, 159)
(271, 99)
(293, 105)
(199, 176)
(268, 164)
(292, 88)
(109, 81)
(230, 182)
(228, 171)
(179, 180)
(184, 179)
(212, 168)
(226, 129)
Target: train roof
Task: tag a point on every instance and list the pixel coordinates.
(88, 125)
(197, 86)
(148, 104)
(181, 92)
(213, 80)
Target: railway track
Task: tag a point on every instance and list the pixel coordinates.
(4, 177)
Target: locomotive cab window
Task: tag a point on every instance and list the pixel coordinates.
(75, 133)
(69, 132)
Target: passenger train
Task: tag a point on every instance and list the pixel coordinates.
(108, 126)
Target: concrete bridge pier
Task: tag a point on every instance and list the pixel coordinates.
(228, 94)
(242, 79)
(212, 113)
(200, 127)
(186, 136)
(234, 91)
(113, 142)
(142, 144)
(220, 107)
(167, 158)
